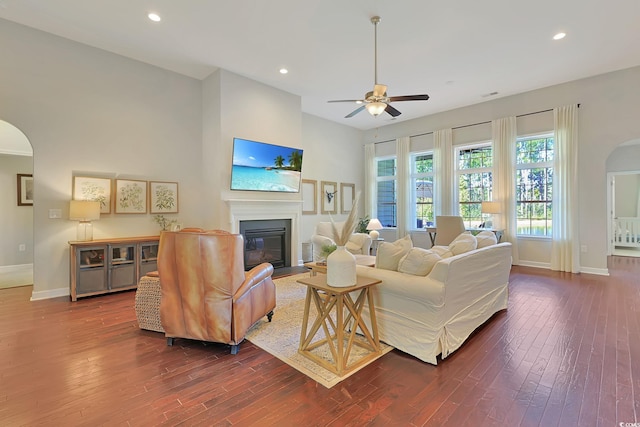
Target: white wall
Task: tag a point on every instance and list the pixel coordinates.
(333, 152)
(92, 112)
(608, 117)
(16, 222)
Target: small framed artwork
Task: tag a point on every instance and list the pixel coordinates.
(163, 197)
(309, 197)
(25, 189)
(328, 196)
(347, 197)
(131, 196)
(93, 189)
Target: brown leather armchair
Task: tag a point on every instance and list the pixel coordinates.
(206, 294)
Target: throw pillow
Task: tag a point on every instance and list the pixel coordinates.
(486, 238)
(418, 262)
(465, 242)
(389, 254)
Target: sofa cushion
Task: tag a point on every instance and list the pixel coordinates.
(389, 254)
(486, 238)
(443, 251)
(465, 242)
(418, 262)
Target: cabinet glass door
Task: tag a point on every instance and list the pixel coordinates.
(122, 266)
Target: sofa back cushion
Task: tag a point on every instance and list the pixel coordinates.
(389, 254)
(418, 261)
(486, 238)
(465, 242)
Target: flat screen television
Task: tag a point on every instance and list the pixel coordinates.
(258, 166)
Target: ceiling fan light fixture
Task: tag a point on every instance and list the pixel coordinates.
(376, 108)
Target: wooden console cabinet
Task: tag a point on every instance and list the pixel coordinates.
(110, 265)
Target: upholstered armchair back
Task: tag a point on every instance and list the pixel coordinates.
(206, 294)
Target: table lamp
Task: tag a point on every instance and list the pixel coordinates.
(373, 227)
(490, 208)
(84, 211)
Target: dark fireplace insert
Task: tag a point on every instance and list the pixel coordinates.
(266, 241)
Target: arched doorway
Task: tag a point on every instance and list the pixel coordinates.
(16, 211)
(623, 199)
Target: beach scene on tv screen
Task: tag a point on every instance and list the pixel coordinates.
(259, 166)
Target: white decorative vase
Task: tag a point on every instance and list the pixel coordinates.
(341, 268)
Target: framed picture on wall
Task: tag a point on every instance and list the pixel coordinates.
(329, 190)
(347, 197)
(25, 189)
(163, 197)
(309, 197)
(94, 189)
(131, 196)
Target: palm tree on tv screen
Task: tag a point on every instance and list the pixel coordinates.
(295, 160)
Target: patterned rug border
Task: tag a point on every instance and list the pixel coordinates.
(281, 337)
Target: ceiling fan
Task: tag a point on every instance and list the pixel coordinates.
(377, 100)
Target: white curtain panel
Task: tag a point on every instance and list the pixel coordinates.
(504, 183)
(564, 250)
(370, 181)
(443, 172)
(403, 173)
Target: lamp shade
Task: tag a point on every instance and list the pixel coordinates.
(84, 210)
(374, 224)
(491, 207)
(376, 108)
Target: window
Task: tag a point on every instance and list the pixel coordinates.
(422, 188)
(534, 185)
(473, 173)
(386, 191)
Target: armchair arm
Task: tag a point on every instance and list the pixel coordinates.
(318, 242)
(253, 277)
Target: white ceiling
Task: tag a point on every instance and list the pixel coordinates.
(455, 51)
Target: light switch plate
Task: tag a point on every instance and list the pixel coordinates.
(55, 213)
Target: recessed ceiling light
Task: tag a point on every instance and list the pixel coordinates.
(283, 71)
(559, 36)
(154, 17)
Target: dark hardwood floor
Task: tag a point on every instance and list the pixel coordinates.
(565, 353)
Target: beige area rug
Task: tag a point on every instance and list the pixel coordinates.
(281, 337)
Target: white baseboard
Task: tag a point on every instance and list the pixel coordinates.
(535, 264)
(586, 270)
(16, 268)
(50, 293)
(598, 271)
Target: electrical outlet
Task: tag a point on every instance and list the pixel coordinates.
(583, 249)
(22, 247)
(55, 213)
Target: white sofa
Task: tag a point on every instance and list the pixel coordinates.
(359, 243)
(433, 315)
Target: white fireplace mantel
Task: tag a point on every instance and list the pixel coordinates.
(257, 209)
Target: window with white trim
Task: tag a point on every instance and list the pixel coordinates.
(422, 189)
(386, 194)
(534, 185)
(474, 166)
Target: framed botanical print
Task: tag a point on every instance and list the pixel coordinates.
(131, 196)
(25, 189)
(309, 197)
(93, 189)
(347, 197)
(329, 190)
(163, 197)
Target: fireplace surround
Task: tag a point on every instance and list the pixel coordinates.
(269, 209)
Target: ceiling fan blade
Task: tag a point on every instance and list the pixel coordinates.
(392, 111)
(348, 100)
(409, 98)
(354, 112)
(379, 90)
